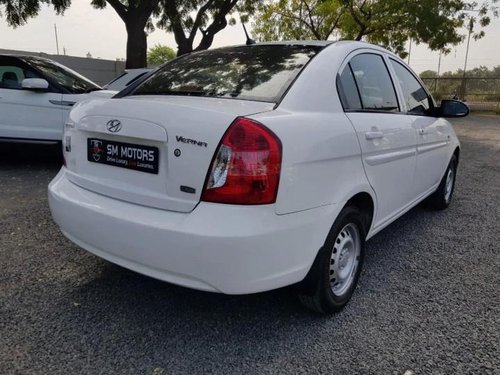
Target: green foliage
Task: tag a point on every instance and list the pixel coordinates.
(479, 72)
(297, 19)
(389, 23)
(17, 12)
(159, 54)
(428, 74)
(188, 18)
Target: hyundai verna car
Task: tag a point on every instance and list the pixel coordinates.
(249, 168)
(36, 95)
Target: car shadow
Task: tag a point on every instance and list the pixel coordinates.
(150, 299)
(154, 299)
(103, 308)
(15, 155)
(155, 318)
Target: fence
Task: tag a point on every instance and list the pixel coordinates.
(479, 92)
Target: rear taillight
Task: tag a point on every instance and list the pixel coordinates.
(246, 166)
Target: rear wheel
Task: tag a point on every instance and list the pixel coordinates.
(335, 272)
(441, 198)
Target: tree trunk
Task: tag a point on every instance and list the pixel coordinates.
(184, 46)
(137, 46)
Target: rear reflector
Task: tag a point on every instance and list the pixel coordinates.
(246, 166)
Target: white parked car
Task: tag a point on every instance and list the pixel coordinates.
(36, 95)
(244, 169)
(125, 79)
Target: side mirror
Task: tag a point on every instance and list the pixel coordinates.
(453, 108)
(35, 84)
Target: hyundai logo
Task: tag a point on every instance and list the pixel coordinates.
(114, 126)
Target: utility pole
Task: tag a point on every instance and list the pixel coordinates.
(439, 71)
(439, 62)
(57, 42)
(409, 53)
(471, 28)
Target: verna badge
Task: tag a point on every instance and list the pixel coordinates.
(114, 126)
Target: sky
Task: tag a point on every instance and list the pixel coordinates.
(83, 29)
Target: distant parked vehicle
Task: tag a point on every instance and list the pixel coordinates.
(125, 79)
(36, 95)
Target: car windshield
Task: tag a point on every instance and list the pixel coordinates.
(65, 77)
(259, 72)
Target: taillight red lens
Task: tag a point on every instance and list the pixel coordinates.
(246, 166)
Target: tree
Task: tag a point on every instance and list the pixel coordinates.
(185, 18)
(386, 22)
(18, 12)
(136, 14)
(298, 20)
(159, 54)
(428, 74)
(392, 22)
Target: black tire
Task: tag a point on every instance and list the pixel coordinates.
(441, 198)
(316, 292)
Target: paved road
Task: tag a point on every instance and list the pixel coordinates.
(428, 299)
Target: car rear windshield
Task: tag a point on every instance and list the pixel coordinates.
(259, 72)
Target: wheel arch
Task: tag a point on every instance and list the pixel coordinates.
(456, 153)
(365, 202)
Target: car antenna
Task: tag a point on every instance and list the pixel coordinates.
(250, 41)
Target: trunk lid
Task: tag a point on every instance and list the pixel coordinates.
(185, 131)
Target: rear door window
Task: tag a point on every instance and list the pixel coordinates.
(374, 83)
(260, 72)
(349, 94)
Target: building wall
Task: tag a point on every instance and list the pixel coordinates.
(98, 70)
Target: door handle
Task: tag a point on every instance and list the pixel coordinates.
(376, 134)
(64, 103)
(422, 131)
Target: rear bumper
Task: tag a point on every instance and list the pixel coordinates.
(218, 248)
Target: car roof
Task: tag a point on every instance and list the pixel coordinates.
(350, 44)
(346, 45)
(318, 43)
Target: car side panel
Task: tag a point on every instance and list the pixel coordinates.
(321, 162)
(432, 151)
(321, 154)
(30, 115)
(389, 161)
(435, 137)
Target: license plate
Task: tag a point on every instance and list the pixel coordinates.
(124, 155)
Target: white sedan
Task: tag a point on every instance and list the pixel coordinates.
(244, 169)
(36, 95)
(128, 77)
